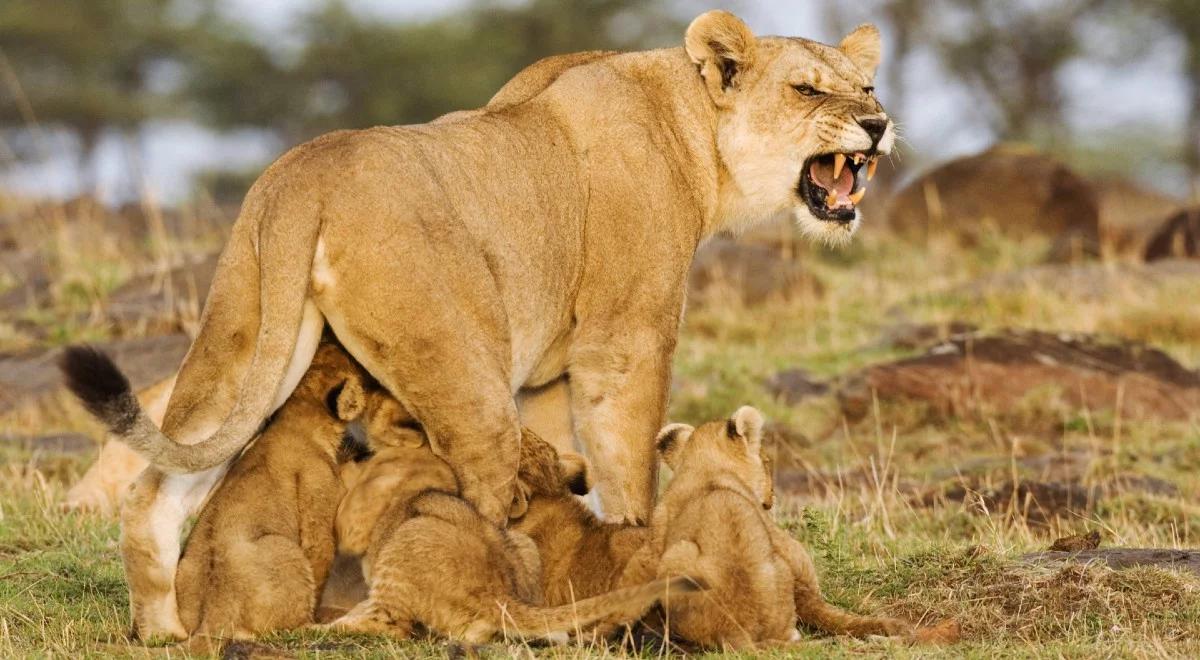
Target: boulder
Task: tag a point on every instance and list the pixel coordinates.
(1178, 237)
(990, 373)
(1017, 191)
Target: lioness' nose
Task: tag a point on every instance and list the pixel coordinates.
(874, 127)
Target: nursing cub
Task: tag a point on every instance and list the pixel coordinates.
(262, 547)
(432, 559)
(712, 523)
(582, 555)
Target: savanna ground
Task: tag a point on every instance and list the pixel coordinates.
(891, 501)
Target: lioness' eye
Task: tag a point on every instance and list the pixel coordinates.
(869, 90)
(806, 89)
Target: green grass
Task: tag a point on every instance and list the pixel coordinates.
(884, 533)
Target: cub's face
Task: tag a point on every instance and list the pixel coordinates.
(798, 126)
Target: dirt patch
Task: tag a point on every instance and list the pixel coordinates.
(163, 303)
(749, 274)
(30, 375)
(794, 385)
(991, 374)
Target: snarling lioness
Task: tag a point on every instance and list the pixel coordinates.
(548, 233)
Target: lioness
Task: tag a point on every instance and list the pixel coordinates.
(432, 559)
(582, 555)
(548, 235)
(712, 523)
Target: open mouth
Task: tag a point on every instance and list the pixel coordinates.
(833, 184)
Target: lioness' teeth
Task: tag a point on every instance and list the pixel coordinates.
(871, 165)
(856, 197)
(859, 158)
(831, 199)
(839, 161)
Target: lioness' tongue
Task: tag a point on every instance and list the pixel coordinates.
(822, 173)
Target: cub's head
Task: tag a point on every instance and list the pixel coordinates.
(798, 124)
(544, 473)
(721, 449)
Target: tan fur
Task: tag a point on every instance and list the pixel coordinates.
(547, 236)
(262, 547)
(712, 522)
(432, 559)
(582, 556)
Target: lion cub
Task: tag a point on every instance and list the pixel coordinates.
(261, 548)
(432, 559)
(582, 556)
(712, 522)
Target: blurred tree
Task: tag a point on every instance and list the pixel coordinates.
(1183, 16)
(91, 65)
(1009, 54)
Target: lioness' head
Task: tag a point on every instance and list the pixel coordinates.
(729, 447)
(798, 124)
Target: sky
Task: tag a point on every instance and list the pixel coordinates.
(938, 121)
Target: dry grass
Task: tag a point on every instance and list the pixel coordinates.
(874, 503)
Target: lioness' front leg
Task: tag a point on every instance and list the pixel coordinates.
(619, 385)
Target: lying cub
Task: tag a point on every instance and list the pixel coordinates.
(712, 523)
(582, 556)
(432, 559)
(261, 549)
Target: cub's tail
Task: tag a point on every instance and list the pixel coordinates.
(613, 608)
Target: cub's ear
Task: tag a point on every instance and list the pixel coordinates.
(746, 424)
(576, 472)
(347, 400)
(864, 48)
(520, 503)
(723, 47)
(671, 440)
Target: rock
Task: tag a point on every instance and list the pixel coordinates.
(1038, 502)
(30, 375)
(1178, 237)
(748, 274)
(1118, 558)
(1129, 214)
(794, 385)
(909, 336)
(982, 373)
(1077, 543)
(1018, 191)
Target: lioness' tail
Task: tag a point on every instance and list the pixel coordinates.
(287, 240)
(615, 607)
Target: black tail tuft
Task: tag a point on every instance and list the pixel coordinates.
(100, 386)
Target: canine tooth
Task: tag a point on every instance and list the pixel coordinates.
(857, 196)
(871, 165)
(839, 161)
(831, 199)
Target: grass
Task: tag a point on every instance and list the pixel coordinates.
(875, 504)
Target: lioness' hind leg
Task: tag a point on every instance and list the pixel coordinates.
(447, 365)
(151, 518)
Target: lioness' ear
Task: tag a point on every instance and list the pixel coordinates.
(576, 472)
(747, 424)
(671, 440)
(723, 47)
(347, 400)
(864, 47)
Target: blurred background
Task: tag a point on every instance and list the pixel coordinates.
(1007, 352)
